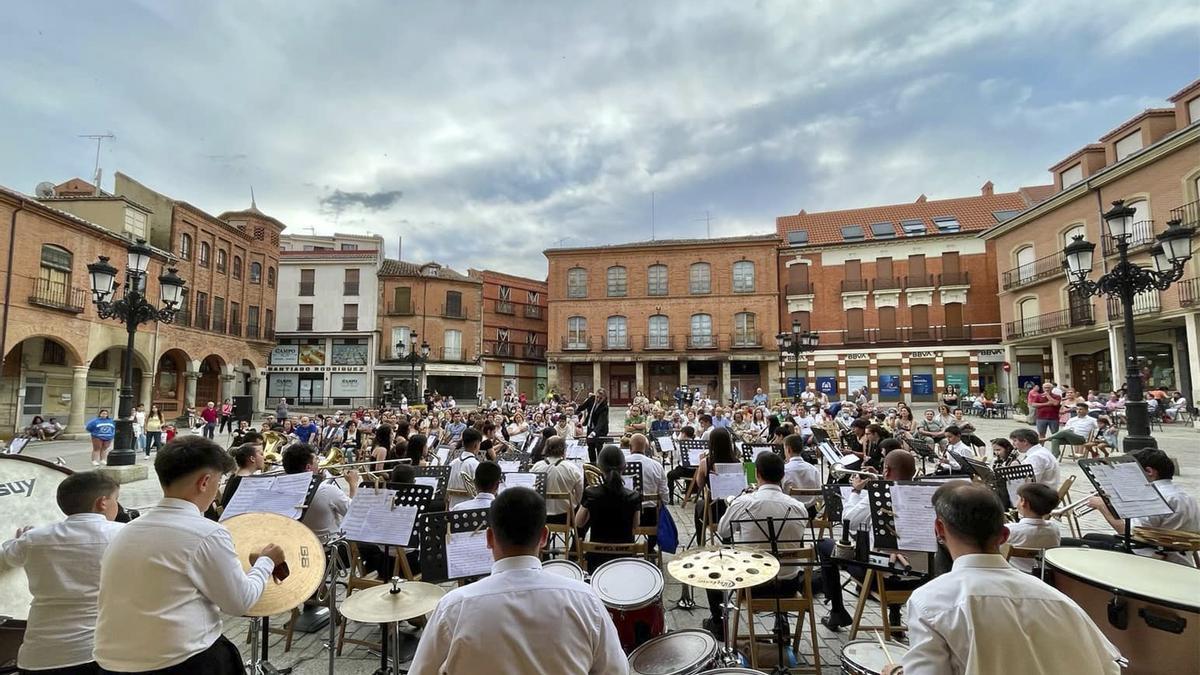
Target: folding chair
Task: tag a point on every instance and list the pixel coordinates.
(651, 530)
(1035, 554)
(1064, 497)
(802, 604)
(635, 550)
(567, 530)
(874, 582)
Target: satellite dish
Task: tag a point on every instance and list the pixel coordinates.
(44, 189)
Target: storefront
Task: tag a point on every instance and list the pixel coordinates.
(311, 373)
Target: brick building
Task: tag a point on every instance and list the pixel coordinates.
(1152, 162)
(902, 296)
(650, 316)
(514, 334)
(62, 360)
(439, 307)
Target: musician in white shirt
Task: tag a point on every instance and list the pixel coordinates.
(329, 503)
(654, 479)
(466, 463)
(167, 576)
(562, 477)
(1035, 501)
(986, 617)
(798, 474)
(1045, 466)
(520, 620)
(62, 563)
(487, 483)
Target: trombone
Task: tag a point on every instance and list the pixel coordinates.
(1069, 508)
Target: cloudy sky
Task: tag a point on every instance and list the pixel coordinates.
(484, 132)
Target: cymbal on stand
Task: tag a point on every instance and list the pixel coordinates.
(724, 569)
(389, 603)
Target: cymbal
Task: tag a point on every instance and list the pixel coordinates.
(302, 551)
(724, 568)
(379, 604)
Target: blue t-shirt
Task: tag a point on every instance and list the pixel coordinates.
(305, 431)
(104, 428)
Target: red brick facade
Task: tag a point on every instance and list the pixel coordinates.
(514, 334)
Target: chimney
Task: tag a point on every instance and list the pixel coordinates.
(921, 199)
(987, 190)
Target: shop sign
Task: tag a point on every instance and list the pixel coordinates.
(285, 355)
(827, 385)
(922, 384)
(855, 382)
(348, 385)
(889, 385)
(318, 369)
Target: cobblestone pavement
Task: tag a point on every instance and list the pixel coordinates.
(308, 653)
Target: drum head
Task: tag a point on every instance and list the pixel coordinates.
(302, 551)
(627, 583)
(731, 671)
(564, 568)
(28, 496)
(1138, 576)
(867, 656)
(681, 652)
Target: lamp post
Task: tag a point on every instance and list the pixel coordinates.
(132, 309)
(796, 343)
(1125, 281)
(413, 356)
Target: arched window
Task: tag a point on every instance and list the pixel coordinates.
(1027, 317)
(577, 333)
(222, 260)
(1141, 210)
(700, 279)
(617, 282)
(205, 251)
(656, 280)
(576, 282)
(185, 246)
(270, 277)
(54, 277)
(1073, 232)
(702, 332)
(256, 273)
(1025, 259)
(617, 336)
(237, 267)
(658, 333)
(745, 332)
(743, 276)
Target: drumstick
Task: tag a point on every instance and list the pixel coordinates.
(883, 646)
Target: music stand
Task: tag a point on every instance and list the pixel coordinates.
(434, 527)
(538, 481)
(631, 475)
(439, 472)
(507, 459)
(1006, 477)
(1126, 491)
(690, 450)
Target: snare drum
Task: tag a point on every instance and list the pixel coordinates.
(1155, 622)
(565, 568)
(684, 652)
(730, 670)
(632, 589)
(866, 657)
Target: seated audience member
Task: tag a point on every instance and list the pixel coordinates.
(562, 477)
(1034, 504)
(487, 482)
(1045, 466)
(1078, 431)
(986, 617)
(609, 509)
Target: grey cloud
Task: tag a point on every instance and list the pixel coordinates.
(371, 201)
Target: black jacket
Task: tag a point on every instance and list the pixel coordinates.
(597, 421)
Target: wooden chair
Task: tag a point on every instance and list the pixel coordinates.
(873, 582)
(1075, 454)
(651, 530)
(801, 604)
(1064, 497)
(1035, 554)
(567, 531)
(816, 529)
(635, 550)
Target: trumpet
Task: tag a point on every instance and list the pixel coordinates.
(1063, 510)
(868, 474)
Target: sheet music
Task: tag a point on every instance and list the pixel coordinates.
(912, 506)
(523, 479)
(760, 449)
(628, 481)
(694, 455)
(467, 555)
(728, 481)
(667, 444)
(509, 466)
(831, 455)
(431, 481)
(281, 494)
(372, 518)
(1128, 491)
(443, 453)
(576, 450)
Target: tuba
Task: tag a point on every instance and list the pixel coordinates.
(335, 457)
(273, 442)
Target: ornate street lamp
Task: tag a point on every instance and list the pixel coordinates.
(413, 355)
(795, 343)
(132, 309)
(1125, 280)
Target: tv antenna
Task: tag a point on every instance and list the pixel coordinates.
(707, 223)
(99, 138)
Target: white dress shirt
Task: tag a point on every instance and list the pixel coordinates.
(466, 463)
(654, 479)
(550, 625)
(326, 510)
(483, 500)
(800, 475)
(985, 617)
(1032, 533)
(857, 509)
(1185, 515)
(1082, 426)
(768, 501)
(564, 477)
(1045, 466)
(62, 562)
(162, 581)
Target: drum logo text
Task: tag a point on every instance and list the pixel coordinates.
(17, 487)
(304, 557)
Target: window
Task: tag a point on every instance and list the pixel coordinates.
(947, 224)
(218, 322)
(235, 317)
(252, 321)
(743, 276)
(744, 333)
(887, 323)
(205, 250)
(913, 228)
(701, 335)
(1141, 211)
(452, 349)
(1070, 234)
(1004, 214)
(1193, 107)
(920, 322)
(305, 319)
(185, 246)
(617, 336)
(255, 272)
(699, 279)
(135, 223)
(1129, 145)
(656, 280)
(269, 323)
(350, 282)
(270, 277)
(576, 282)
(1072, 175)
(349, 247)
(804, 319)
(201, 310)
(853, 233)
(883, 231)
(54, 354)
(221, 260)
(797, 280)
(577, 333)
(237, 267)
(401, 300)
(454, 306)
(854, 325)
(1025, 263)
(54, 278)
(1027, 315)
(658, 332)
(954, 321)
(617, 284)
(400, 338)
(308, 283)
(504, 303)
(797, 237)
(349, 317)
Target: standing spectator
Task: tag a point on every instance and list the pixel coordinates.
(139, 426)
(154, 427)
(102, 428)
(209, 415)
(226, 417)
(281, 410)
(760, 399)
(1046, 415)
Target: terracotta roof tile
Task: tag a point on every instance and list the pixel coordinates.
(403, 268)
(750, 238)
(1132, 121)
(1193, 86)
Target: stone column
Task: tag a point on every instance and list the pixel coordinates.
(1191, 323)
(772, 380)
(256, 392)
(726, 384)
(226, 388)
(1010, 392)
(77, 417)
(147, 391)
(189, 390)
(683, 372)
(639, 374)
(596, 383)
(1058, 362)
(939, 375)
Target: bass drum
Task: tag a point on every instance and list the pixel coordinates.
(28, 496)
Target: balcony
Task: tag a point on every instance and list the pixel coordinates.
(252, 331)
(576, 343)
(1143, 303)
(534, 312)
(903, 335)
(219, 324)
(1042, 268)
(954, 279)
(235, 329)
(304, 323)
(350, 323)
(919, 281)
(269, 334)
(452, 355)
(350, 288)
(854, 285)
(1141, 236)
(799, 288)
(616, 342)
(201, 320)
(745, 339)
(657, 342)
(493, 348)
(399, 309)
(1051, 322)
(1189, 292)
(505, 307)
(1188, 215)
(888, 283)
(535, 352)
(457, 313)
(702, 341)
(47, 293)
